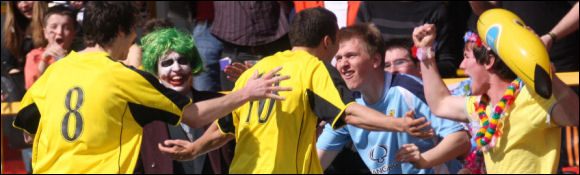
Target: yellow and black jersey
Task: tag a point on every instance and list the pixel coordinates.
(280, 136)
(87, 113)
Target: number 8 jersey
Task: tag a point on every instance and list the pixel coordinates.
(87, 112)
(280, 136)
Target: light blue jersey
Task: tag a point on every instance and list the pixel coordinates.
(377, 149)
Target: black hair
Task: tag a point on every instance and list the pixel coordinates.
(311, 25)
(104, 19)
(403, 43)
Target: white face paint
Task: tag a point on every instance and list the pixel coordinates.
(175, 72)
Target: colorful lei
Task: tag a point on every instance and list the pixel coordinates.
(489, 125)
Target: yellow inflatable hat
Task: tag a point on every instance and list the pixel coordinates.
(519, 48)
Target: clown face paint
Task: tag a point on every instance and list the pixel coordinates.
(175, 72)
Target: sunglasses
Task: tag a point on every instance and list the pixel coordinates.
(169, 62)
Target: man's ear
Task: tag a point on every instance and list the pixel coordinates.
(377, 60)
(490, 62)
(120, 33)
(326, 41)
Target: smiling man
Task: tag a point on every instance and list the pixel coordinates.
(280, 136)
(173, 57)
(360, 63)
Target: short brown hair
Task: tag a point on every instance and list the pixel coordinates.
(499, 67)
(156, 24)
(62, 10)
(370, 36)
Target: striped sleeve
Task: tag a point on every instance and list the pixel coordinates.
(226, 125)
(149, 100)
(28, 116)
(328, 96)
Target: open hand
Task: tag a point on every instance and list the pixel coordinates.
(260, 88)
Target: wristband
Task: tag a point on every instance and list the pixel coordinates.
(424, 53)
(421, 53)
(553, 36)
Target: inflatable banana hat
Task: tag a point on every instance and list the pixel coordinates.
(519, 48)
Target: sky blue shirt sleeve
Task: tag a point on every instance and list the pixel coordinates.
(441, 126)
(333, 140)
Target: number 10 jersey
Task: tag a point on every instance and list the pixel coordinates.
(280, 136)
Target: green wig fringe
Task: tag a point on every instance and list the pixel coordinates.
(157, 43)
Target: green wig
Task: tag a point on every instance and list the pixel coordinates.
(157, 43)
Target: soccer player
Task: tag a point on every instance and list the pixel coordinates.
(87, 110)
(275, 136)
(528, 137)
(360, 63)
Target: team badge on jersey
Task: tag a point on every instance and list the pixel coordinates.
(391, 113)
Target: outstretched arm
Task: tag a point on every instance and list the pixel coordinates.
(567, 25)
(452, 146)
(438, 98)
(183, 150)
(201, 113)
(370, 119)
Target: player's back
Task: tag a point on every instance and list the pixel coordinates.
(279, 136)
(87, 106)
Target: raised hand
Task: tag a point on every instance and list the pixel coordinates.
(54, 50)
(260, 88)
(424, 35)
(415, 127)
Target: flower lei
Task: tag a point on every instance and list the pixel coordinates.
(489, 125)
